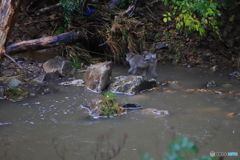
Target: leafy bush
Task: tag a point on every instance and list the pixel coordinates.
(180, 149)
(69, 7)
(195, 15)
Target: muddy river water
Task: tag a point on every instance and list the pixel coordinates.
(55, 127)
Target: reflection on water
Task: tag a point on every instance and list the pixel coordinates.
(41, 55)
(54, 126)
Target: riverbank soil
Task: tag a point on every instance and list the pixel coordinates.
(116, 32)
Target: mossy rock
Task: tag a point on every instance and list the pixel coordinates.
(15, 94)
(103, 107)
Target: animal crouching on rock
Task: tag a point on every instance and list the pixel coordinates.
(147, 62)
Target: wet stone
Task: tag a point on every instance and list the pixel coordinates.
(14, 83)
(47, 77)
(211, 84)
(131, 106)
(76, 82)
(131, 84)
(59, 64)
(155, 112)
(98, 76)
(235, 74)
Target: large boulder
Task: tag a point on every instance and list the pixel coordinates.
(98, 76)
(59, 64)
(131, 84)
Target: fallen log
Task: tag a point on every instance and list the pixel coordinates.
(46, 42)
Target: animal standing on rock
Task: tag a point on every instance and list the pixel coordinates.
(147, 61)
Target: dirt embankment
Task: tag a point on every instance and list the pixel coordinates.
(116, 35)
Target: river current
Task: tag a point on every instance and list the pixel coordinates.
(54, 126)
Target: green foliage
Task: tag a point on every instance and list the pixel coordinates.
(125, 3)
(75, 63)
(72, 54)
(195, 15)
(69, 8)
(125, 34)
(177, 57)
(145, 156)
(176, 50)
(60, 30)
(110, 97)
(109, 105)
(182, 149)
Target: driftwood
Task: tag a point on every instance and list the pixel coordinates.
(8, 12)
(46, 42)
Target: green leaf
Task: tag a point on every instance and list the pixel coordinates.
(165, 20)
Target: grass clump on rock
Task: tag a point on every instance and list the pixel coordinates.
(109, 105)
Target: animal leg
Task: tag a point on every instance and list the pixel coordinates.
(144, 72)
(132, 70)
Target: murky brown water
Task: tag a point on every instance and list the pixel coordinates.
(54, 126)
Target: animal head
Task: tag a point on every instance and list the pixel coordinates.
(129, 56)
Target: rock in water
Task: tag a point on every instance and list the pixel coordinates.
(131, 84)
(98, 76)
(50, 76)
(94, 108)
(76, 82)
(131, 106)
(59, 64)
(7, 123)
(154, 112)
